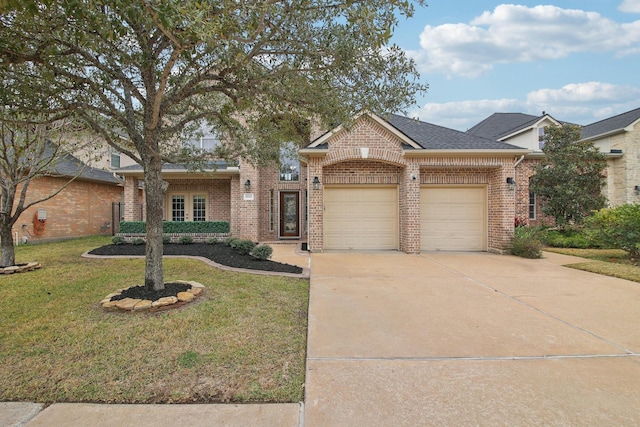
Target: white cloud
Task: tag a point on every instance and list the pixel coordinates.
(581, 103)
(516, 34)
(631, 6)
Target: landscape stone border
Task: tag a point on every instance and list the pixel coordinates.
(132, 304)
(30, 266)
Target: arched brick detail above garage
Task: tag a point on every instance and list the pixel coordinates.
(364, 153)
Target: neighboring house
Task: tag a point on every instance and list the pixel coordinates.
(384, 184)
(619, 137)
(526, 131)
(83, 208)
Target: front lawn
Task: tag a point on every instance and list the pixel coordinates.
(243, 341)
(610, 262)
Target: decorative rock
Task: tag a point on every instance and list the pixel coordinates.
(185, 296)
(108, 297)
(127, 303)
(195, 291)
(132, 304)
(109, 304)
(143, 305)
(164, 301)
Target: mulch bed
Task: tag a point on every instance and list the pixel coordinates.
(219, 252)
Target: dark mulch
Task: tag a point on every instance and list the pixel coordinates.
(140, 292)
(220, 253)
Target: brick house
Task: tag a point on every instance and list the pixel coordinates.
(526, 131)
(383, 184)
(83, 208)
(619, 137)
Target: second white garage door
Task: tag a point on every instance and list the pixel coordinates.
(360, 218)
(453, 218)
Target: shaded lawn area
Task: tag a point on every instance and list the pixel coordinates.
(243, 341)
(609, 262)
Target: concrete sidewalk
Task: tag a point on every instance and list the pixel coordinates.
(469, 339)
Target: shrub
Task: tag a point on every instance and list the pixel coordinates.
(213, 241)
(617, 227)
(177, 227)
(244, 246)
(185, 240)
(231, 241)
(567, 238)
(525, 243)
(118, 240)
(138, 241)
(262, 252)
(166, 238)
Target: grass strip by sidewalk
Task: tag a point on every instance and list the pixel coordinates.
(244, 341)
(609, 262)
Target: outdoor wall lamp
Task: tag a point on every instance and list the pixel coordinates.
(637, 188)
(316, 183)
(511, 183)
(247, 185)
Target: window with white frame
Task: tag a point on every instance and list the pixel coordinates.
(272, 211)
(114, 158)
(206, 141)
(532, 205)
(541, 138)
(289, 163)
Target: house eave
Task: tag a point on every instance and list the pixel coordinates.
(605, 134)
(181, 173)
(466, 152)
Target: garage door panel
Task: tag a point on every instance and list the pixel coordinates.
(453, 218)
(362, 218)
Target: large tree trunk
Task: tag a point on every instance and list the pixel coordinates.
(6, 245)
(153, 273)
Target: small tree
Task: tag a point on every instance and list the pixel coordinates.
(569, 181)
(618, 227)
(26, 153)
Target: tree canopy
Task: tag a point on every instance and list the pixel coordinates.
(569, 180)
(148, 74)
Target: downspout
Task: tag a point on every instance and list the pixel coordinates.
(515, 190)
(518, 161)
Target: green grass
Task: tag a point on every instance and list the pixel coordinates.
(243, 341)
(609, 262)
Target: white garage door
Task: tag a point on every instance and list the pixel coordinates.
(360, 218)
(453, 218)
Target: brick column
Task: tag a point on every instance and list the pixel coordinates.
(501, 208)
(248, 203)
(131, 199)
(409, 205)
(316, 206)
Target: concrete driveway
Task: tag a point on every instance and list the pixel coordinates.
(469, 339)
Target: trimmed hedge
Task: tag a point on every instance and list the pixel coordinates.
(139, 227)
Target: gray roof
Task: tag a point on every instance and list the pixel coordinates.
(611, 125)
(499, 125)
(214, 166)
(68, 166)
(434, 137)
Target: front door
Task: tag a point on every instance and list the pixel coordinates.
(188, 207)
(289, 214)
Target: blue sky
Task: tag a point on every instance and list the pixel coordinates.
(578, 60)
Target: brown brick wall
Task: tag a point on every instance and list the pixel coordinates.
(386, 163)
(270, 184)
(82, 209)
(524, 172)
